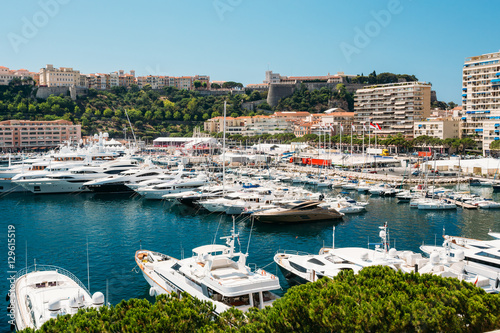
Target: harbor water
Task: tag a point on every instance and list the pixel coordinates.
(60, 229)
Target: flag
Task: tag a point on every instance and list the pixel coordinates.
(341, 128)
(332, 128)
(372, 125)
(378, 126)
(353, 128)
(364, 127)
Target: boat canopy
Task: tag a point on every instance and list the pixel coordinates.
(210, 249)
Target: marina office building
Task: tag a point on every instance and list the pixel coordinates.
(394, 106)
(481, 99)
(27, 134)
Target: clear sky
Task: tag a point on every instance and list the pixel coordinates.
(239, 40)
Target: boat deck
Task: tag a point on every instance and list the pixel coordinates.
(461, 204)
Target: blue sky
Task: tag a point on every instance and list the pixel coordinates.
(240, 39)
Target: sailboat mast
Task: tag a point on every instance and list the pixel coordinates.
(224, 151)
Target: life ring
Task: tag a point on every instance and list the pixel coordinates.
(263, 272)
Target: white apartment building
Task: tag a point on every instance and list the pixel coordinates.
(59, 77)
(394, 106)
(248, 126)
(481, 99)
(438, 128)
(7, 75)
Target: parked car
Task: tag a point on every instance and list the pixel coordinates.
(373, 171)
(415, 173)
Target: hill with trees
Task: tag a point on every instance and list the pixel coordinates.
(152, 112)
(378, 299)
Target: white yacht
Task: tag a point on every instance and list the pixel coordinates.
(215, 273)
(178, 185)
(45, 292)
(434, 204)
(71, 181)
(118, 183)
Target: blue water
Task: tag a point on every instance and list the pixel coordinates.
(53, 229)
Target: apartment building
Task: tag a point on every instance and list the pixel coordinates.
(274, 78)
(7, 75)
(248, 126)
(441, 128)
(394, 106)
(481, 99)
(27, 134)
(59, 77)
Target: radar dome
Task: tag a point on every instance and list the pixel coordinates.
(98, 298)
(434, 257)
(54, 305)
(460, 255)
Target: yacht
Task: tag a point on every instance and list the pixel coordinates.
(433, 204)
(119, 182)
(72, 180)
(215, 273)
(45, 292)
(480, 257)
(296, 212)
(157, 192)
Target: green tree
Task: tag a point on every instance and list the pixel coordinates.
(196, 84)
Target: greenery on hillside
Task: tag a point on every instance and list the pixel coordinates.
(382, 78)
(378, 299)
(152, 112)
(316, 101)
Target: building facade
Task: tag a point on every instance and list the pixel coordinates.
(27, 134)
(393, 106)
(7, 75)
(59, 77)
(248, 126)
(440, 128)
(481, 99)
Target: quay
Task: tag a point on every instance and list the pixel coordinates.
(461, 204)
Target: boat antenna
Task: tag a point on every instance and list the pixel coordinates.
(107, 295)
(250, 236)
(88, 267)
(131, 128)
(333, 238)
(224, 152)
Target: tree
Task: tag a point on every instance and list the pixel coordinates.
(215, 86)
(451, 105)
(197, 84)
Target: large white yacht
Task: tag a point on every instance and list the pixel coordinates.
(214, 273)
(72, 180)
(118, 183)
(177, 185)
(45, 292)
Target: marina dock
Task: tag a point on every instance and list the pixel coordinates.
(461, 204)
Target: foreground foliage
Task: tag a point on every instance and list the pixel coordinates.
(378, 299)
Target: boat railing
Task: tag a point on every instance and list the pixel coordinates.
(295, 252)
(40, 268)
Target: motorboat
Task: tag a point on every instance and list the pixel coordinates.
(45, 292)
(118, 183)
(215, 273)
(297, 212)
(157, 192)
(404, 196)
(487, 204)
(72, 180)
(433, 204)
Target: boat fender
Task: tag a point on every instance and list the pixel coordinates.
(497, 283)
(152, 292)
(7, 298)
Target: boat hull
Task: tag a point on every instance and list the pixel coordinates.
(298, 217)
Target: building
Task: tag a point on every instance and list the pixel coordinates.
(248, 126)
(394, 106)
(441, 128)
(481, 98)
(7, 75)
(274, 78)
(59, 77)
(27, 134)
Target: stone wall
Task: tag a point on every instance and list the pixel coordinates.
(279, 90)
(73, 92)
